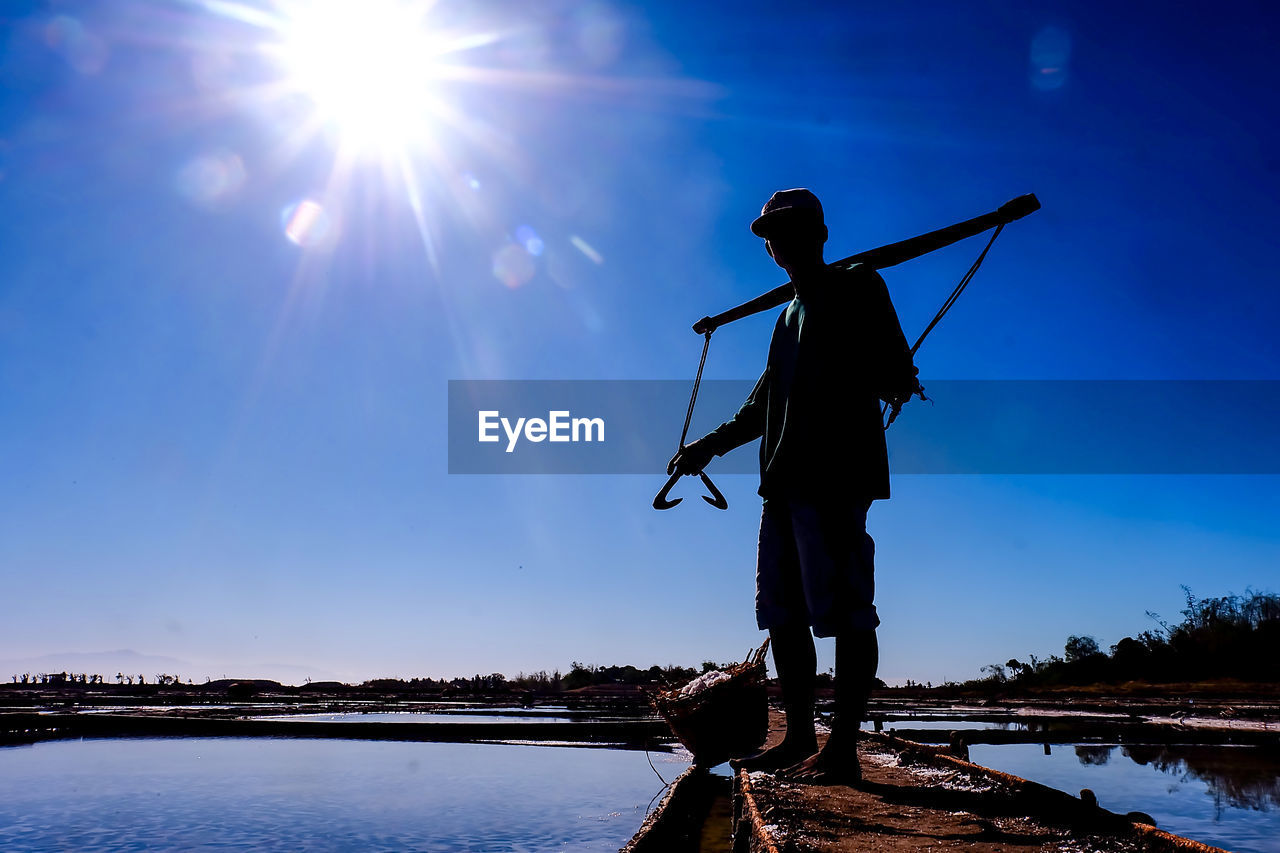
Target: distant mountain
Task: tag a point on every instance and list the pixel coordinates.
(134, 663)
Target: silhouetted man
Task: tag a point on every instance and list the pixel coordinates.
(837, 351)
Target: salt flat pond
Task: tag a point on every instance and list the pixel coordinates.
(1228, 796)
(468, 716)
(313, 794)
(946, 725)
(1222, 794)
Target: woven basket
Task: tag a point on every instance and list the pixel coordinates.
(723, 721)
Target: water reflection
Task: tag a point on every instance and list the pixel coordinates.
(1219, 794)
(945, 725)
(411, 717)
(1095, 755)
(294, 795)
(1237, 777)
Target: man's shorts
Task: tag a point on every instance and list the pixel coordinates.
(815, 566)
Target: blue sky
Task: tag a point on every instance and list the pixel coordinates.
(222, 423)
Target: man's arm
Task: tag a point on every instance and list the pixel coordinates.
(891, 369)
(745, 425)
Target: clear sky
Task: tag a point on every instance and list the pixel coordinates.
(245, 247)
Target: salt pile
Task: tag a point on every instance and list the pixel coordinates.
(702, 682)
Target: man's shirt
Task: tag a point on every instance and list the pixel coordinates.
(837, 351)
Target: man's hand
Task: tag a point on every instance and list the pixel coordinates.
(691, 458)
(896, 403)
(898, 400)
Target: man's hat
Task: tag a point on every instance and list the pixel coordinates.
(785, 204)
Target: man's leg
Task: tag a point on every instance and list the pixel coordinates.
(780, 607)
(838, 559)
(857, 658)
(796, 660)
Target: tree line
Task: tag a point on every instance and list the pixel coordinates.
(1227, 637)
(579, 675)
(541, 682)
(54, 678)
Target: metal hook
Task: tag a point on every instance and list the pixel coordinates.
(716, 499)
(660, 501)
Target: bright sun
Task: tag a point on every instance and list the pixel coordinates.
(368, 66)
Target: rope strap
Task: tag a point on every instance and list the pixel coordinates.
(693, 398)
(946, 306)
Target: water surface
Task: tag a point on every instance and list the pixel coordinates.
(427, 717)
(1227, 796)
(946, 725)
(282, 794)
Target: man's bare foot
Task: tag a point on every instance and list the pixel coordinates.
(832, 765)
(775, 757)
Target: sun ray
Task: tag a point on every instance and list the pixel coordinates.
(419, 214)
(580, 85)
(395, 95)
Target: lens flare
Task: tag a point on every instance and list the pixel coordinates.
(84, 51)
(211, 179)
(529, 238)
(513, 265)
(586, 248)
(306, 224)
(1050, 52)
(600, 33)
